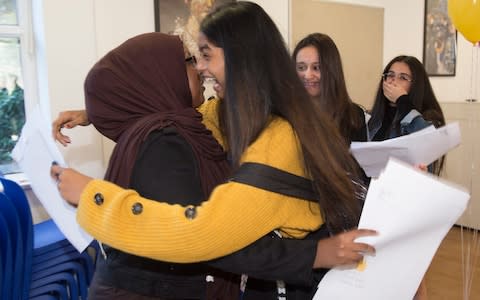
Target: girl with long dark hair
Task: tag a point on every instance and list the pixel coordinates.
(266, 119)
(405, 103)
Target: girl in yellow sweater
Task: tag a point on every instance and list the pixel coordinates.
(265, 117)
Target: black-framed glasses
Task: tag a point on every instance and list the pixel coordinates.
(191, 59)
(401, 76)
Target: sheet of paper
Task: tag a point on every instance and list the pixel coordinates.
(421, 147)
(34, 152)
(412, 211)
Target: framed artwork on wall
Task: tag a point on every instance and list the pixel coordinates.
(439, 40)
(183, 17)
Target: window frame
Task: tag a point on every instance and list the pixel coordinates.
(25, 33)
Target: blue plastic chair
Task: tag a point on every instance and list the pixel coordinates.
(15, 264)
(52, 252)
(17, 196)
(65, 278)
(1, 262)
(46, 249)
(59, 256)
(75, 268)
(63, 261)
(44, 297)
(51, 247)
(6, 253)
(50, 289)
(47, 234)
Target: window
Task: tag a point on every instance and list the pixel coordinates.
(16, 71)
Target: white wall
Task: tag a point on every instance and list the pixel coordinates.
(73, 35)
(68, 51)
(279, 12)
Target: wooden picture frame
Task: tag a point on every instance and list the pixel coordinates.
(439, 40)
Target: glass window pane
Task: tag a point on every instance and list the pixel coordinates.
(12, 108)
(8, 12)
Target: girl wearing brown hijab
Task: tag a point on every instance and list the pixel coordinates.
(141, 95)
(142, 86)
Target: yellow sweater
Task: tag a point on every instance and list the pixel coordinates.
(234, 216)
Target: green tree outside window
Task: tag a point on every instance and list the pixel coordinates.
(12, 118)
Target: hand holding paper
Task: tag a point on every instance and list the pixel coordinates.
(35, 151)
(343, 249)
(421, 147)
(412, 211)
(70, 183)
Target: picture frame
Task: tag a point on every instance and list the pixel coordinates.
(170, 15)
(439, 40)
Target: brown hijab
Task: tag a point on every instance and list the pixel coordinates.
(142, 86)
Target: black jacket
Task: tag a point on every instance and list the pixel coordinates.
(166, 169)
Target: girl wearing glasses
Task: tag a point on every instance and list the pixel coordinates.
(405, 103)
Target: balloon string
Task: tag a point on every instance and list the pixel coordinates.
(474, 67)
(472, 71)
(476, 245)
(473, 258)
(464, 263)
(475, 241)
(469, 236)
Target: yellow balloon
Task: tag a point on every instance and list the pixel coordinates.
(465, 16)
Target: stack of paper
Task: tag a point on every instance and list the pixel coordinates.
(412, 211)
(34, 152)
(422, 147)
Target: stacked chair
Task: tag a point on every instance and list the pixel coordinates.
(5, 258)
(37, 261)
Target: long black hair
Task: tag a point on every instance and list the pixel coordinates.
(261, 81)
(333, 96)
